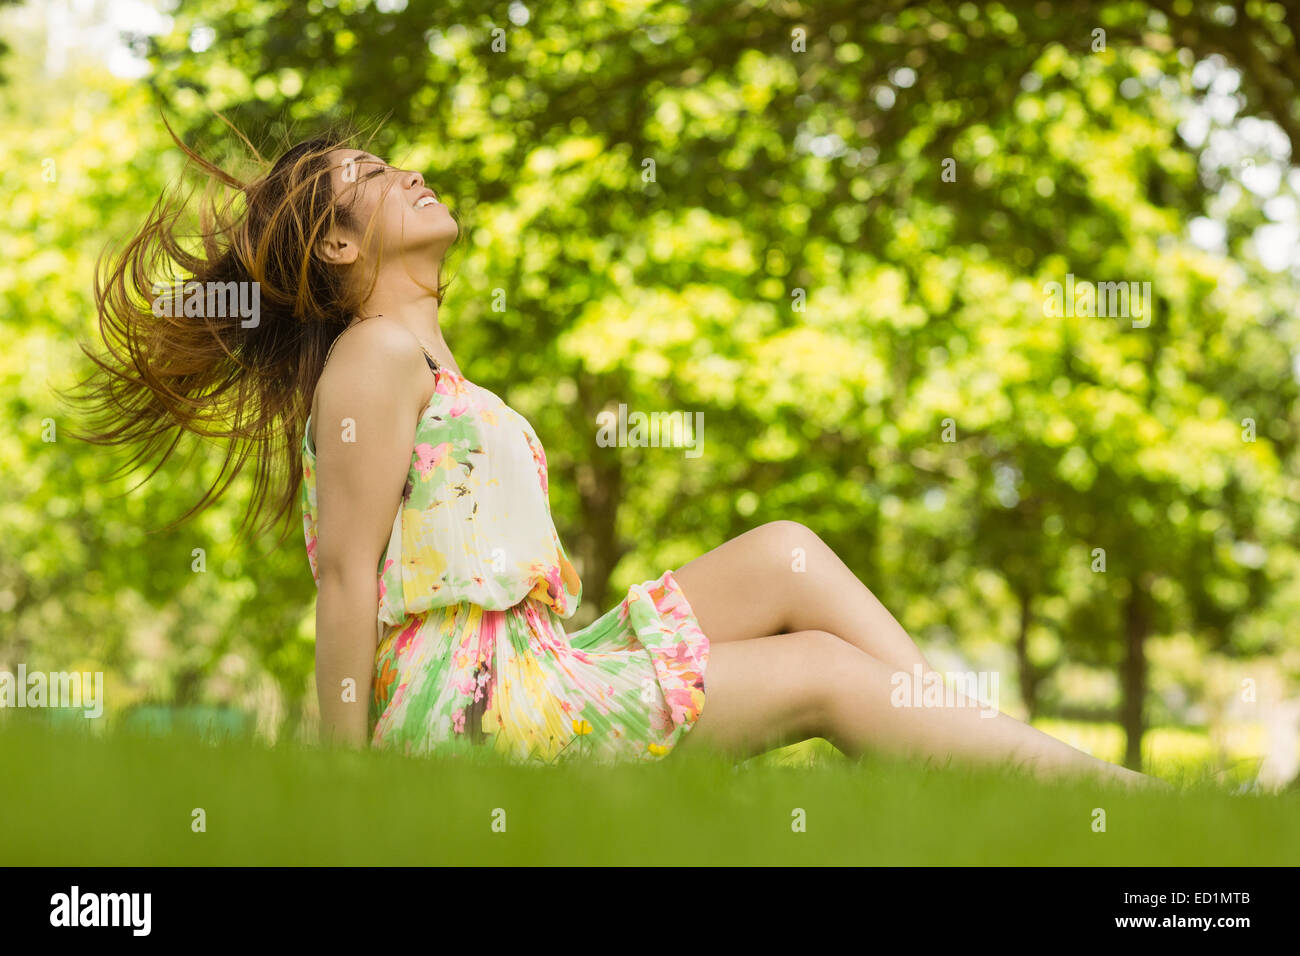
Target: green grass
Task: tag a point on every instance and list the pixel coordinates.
(71, 798)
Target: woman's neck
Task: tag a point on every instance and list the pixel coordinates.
(420, 316)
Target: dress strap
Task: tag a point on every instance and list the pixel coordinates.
(336, 342)
(433, 365)
(429, 359)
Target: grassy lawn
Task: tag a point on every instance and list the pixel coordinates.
(72, 798)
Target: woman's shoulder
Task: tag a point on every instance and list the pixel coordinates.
(377, 356)
(377, 341)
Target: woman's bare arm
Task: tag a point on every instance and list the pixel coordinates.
(369, 398)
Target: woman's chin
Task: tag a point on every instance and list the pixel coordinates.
(445, 233)
(434, 244)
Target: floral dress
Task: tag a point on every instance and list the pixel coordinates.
(474, 588)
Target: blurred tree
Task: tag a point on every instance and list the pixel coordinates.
(829, 228)
(803, 148)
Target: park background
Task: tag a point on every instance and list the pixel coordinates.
(792, 262)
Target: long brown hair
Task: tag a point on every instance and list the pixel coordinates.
(211, 374)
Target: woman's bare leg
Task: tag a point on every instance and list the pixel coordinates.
(780, 578)
(762, 694)
(771, 691)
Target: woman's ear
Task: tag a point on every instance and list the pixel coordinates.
(336, 249)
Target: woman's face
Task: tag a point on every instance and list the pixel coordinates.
(405, 217)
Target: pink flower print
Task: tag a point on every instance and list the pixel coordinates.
(429, 457)
(682, 704)
(458, 720)
(539, 458)
(404, 640)
(679, 656)
(490, 626)
(660, 719)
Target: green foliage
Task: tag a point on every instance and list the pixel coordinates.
(867, 339)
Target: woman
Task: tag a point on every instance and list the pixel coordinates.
(419, 481)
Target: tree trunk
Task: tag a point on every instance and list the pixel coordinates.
(186, 688)
(600, 491)
(1029, 675)
(1137, 623)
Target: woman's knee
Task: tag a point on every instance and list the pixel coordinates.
(852, 674)
(788, 544)
(823, 657)
(844, 670)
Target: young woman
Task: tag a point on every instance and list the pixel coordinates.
(443, 586)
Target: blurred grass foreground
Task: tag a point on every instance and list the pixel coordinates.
(134, 799)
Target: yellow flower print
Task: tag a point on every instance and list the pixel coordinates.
(529, 719)
(422, 565)
(569, 574)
